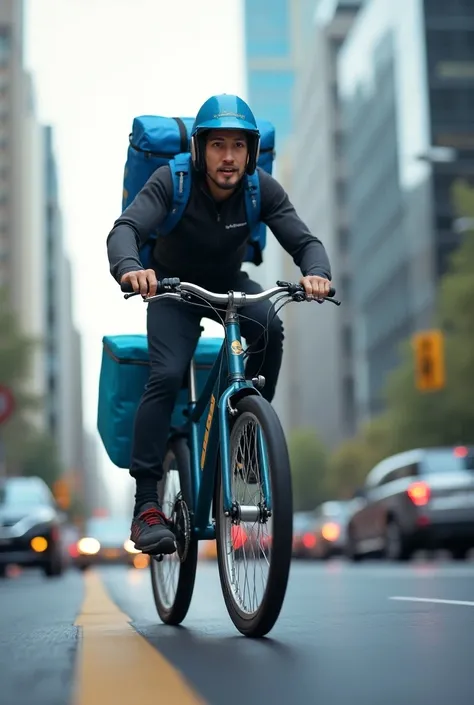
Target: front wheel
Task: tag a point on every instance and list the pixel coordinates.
(254, 550)
(173, 577)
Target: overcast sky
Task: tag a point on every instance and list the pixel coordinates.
(96, 65)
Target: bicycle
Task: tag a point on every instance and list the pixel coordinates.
(200, 478)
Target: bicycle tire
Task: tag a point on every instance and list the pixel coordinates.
(265, 617)
(175, 613)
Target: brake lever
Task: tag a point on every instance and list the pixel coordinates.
(302, 296)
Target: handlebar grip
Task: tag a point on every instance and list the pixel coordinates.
(332, 292)
(161, 286)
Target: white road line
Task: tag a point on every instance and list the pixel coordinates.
(435, 600)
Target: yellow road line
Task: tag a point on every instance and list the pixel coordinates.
(116, 664)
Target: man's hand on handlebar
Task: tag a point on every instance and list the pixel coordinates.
(142, 280)
(315, 287)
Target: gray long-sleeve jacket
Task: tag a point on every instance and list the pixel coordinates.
(209, 242)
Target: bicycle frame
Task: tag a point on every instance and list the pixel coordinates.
(204, 456)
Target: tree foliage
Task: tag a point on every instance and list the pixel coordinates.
(308, 457)
(28, 451)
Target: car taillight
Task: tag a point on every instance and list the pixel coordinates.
(238, 536)
(419, 493)
(309, 540)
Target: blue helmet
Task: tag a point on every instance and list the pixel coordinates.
(224, 112)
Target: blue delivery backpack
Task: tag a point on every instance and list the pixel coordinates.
(123, 377)
(156, 141)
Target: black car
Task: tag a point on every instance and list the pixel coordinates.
(30, 526)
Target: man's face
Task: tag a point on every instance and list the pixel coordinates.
(226, 157)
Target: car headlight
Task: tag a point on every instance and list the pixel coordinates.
(88, 546)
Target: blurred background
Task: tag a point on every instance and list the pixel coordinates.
(373, 105)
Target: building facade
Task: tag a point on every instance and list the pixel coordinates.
(275, 34)
(406, 77)
(318, 348)
(62, 343)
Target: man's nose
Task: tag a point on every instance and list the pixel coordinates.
(229, 155)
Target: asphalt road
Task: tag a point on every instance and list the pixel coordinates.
(341, 639)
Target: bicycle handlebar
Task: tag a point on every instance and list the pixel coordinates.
(176, 289)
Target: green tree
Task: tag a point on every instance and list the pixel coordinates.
(28, 451)
(352, 460)
(308, 458)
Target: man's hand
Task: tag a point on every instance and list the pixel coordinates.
(143, 280)
(316, 287)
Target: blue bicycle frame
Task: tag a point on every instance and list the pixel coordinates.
(231, 378)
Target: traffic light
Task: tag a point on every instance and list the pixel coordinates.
(62, 493)
(429, 360)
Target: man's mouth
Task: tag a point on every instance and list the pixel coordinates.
(227, 170)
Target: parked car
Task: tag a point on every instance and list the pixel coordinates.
(330, 529)
(30, 526)
(106, 540)
(420, 499)
(304, 535)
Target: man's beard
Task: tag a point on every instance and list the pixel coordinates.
(225, 187)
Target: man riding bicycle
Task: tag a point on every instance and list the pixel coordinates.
(207, 247)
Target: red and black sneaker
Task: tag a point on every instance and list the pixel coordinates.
(151, 531)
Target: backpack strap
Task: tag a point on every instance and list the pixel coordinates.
(252, 203)
(180, 168)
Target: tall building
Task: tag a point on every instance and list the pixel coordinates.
(318, 347)
(95, 495)
(11, 110)
(274, 40)
(71, 428)
(21, 195)
(406, 75)
(53, 258)
(61, 339)
(275, 31)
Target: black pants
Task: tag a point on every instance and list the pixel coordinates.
(173, 329)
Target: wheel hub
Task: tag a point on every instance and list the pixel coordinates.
(181, 527)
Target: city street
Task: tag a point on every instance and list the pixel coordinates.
(342, 638)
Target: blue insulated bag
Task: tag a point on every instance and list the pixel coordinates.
(123, 377)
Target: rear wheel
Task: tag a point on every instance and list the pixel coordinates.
(254, 550)
(173, 576)
(397, 547)
(351, 547)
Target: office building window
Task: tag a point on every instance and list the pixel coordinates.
(449, 8)
(267, 31)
